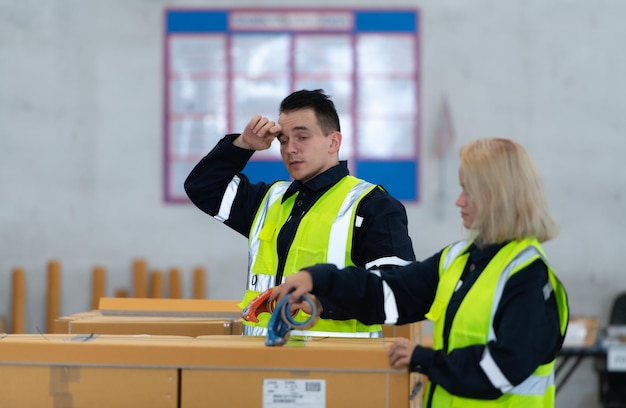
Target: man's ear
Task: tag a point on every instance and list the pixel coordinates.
(335, 142)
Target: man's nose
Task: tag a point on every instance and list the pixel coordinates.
(291, 146)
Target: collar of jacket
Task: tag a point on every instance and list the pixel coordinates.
(320, 182)
(488, 251)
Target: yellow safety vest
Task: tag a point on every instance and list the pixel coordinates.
(324, 235)
(473, 323)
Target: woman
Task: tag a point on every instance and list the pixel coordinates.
(499, 312)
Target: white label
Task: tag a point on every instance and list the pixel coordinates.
(616, 358)
(283, 393)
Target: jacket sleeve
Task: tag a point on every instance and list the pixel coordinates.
(217, 186)
(526, 323)
(395, 296)
(527, 334)
(382, 240)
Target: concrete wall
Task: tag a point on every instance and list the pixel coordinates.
(81, 153)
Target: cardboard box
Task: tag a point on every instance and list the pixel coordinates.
(153, 325)
(61, 371)
(233, 371)
(582, 331)
(62, 324)
(418, 381)
(183, 317)
(411, 331)
(94, 387)
(616, 333)
(226, 309)
(337, 372)
(102, 320)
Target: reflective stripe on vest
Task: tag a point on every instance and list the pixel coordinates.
(452, 252)
(534, 384)
(338, 242)
(275, 192)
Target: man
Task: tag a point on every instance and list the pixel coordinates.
(324, 215)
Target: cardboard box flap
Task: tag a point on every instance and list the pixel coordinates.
(226, 309)
(134, 319)
(154, 325)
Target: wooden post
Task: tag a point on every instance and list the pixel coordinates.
(98, 285)
(121, 293)
(175, 287)
(156, 284)
(18, 296)
(53, 296)
(140, 276)
(198, 282)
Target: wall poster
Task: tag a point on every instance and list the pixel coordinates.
(221, 67)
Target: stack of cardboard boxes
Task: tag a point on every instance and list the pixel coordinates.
(176, 371)
(183, 354)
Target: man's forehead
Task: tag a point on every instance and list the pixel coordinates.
(298, 120)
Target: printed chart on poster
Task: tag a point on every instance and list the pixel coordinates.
(221, 67)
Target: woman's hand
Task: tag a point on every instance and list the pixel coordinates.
(400, 352)
(297, 285)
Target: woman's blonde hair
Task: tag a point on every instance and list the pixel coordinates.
(506, 187)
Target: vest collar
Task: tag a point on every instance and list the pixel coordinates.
(484, 252)
(320, 182)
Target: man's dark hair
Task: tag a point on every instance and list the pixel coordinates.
(317, 100)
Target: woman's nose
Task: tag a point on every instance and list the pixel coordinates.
(459, 201)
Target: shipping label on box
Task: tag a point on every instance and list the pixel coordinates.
(285, 393)
(616, 358)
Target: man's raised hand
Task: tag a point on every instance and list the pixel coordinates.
(258, 134)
